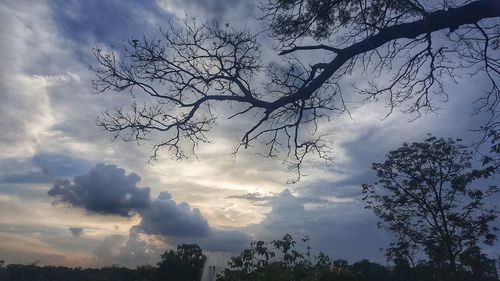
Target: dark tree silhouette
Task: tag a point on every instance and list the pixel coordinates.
(279, 260)
(406, 49)
(184, 264)
(428, 196)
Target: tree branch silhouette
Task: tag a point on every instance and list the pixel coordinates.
(186, 71)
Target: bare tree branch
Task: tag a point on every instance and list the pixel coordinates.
(181, 75)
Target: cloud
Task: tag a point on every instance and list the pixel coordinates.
(344, 230)
(108, 190)
(211, 9)
(106, 21)
(131, 251)
(42, 167)
(76, 231)
(225, 240)
(251, 196)
(49, 116)
(179, 223)
(105, 189)
(165, 217)
(25, 106)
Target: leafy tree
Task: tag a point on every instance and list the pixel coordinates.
(401, 270)
(492, 160)
(371, 271)
(280, 260)
(406, 49)
(184, 264)
(481, 266)
(428, 197)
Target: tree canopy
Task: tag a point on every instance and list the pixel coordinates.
(407, 51)
(432, 199)
(184, 264)
(284, 259)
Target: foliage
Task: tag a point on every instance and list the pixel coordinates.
(492, 159)
(184, 264)
(429, 196)
(274, 261)
(18, 272)
(280, 260)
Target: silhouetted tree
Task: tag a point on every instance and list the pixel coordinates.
(279, 260)
(406, 50)
(372, 271)
(481, 266)
(427, 193)
(184, 264)
(401, 270)
(493, 158)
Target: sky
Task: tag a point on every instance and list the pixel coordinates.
(70, 195)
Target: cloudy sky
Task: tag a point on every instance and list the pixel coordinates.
(69, 195)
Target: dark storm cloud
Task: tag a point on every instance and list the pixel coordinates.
(105, 189)
(109, 22)
(179, 223)
(42, 167)
(165, 217)
(76, 231)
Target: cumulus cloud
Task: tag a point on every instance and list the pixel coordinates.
(76, 231)
(178, 223)
(105, 189)
(165, 217)
(127, 251)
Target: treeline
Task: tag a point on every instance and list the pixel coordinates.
(20, 272)
(183, 264)
(278, 260)
(337, 270)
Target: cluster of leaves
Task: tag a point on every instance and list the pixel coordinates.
(492, 159)
(280, 260)
(184, 264)
(431, 198)
(294, 19)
